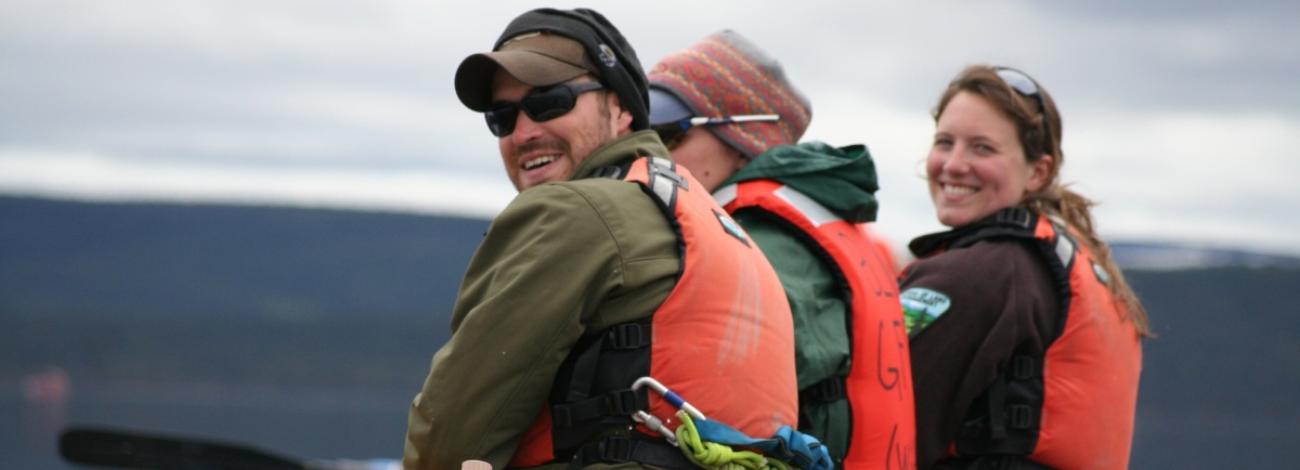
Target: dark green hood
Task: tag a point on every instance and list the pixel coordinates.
(843, 179)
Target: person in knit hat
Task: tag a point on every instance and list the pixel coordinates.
(728, 78)
(729, 113)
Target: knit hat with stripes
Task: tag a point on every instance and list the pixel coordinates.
(726, 75)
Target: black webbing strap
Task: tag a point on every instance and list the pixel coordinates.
(627, 336)
(611, 171)
(1025, 379)
(1005, 413)
(995, 404)
(579, 373)
(1016, 217)
(1005, 419)
(579, 405)
(615, 403)
(1015, 222)
(1012, 222)
(643, 450)
(591, 393)
(829, 390)
(990, 462)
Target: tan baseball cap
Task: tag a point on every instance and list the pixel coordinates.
(537, 58)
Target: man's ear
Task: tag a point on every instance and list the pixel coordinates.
(620, 118)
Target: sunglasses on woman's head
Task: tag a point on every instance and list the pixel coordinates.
(672, 132)
(540, 104)
(1028, 88)
(1022, 84)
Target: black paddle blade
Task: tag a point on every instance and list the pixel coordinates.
(110, 448)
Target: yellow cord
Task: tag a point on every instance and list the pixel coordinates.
(714, 456)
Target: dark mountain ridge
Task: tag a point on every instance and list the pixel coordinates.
(84, 257)
(308, 330)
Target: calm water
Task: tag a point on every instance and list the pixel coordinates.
(301, 423)
(367, 424)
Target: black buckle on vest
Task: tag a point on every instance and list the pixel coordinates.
(609, 171)
(1020, 416)
(616, 403)
(1017, 216)
(1023, 368)
(623, 402)
(616, 448)
(561, 416)
(626, 336)
(828, 390)
(609, 449)
(991, 462)
(667, 172)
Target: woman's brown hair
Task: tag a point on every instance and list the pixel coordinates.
(1038, 123)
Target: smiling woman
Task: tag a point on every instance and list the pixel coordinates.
(977, 165)
(1017, 311)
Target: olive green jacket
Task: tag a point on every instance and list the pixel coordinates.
(844, 181)
(561, 260)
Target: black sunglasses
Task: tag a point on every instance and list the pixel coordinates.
(672, 132)
(540, 104)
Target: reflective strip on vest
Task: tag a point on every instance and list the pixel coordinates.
(816, 213)
(663, 181)
(1065, 250)
(725, 195)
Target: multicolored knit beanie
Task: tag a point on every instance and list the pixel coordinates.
(726, 75)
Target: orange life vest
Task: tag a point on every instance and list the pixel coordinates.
(1072, 406)
(723, 339)
(879, 384)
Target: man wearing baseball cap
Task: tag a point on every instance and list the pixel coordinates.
(730, 115)
(612, 264)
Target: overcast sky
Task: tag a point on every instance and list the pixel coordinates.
(1181, 117)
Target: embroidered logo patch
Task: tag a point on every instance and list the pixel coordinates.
(921, 307)
(732, 228)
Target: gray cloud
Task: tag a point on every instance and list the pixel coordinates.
(1148, 88)
(138, 85)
